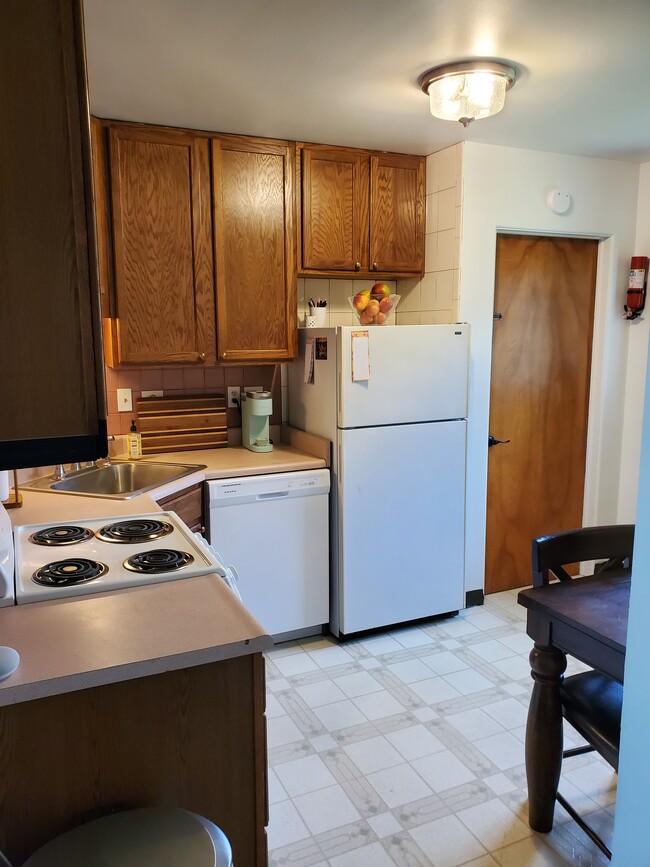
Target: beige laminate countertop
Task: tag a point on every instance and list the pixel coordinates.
(45, 506)
(88, 641)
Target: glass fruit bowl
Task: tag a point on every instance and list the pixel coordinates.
(374, 309)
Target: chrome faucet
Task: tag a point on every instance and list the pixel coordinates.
(104, 462)
(59, 473)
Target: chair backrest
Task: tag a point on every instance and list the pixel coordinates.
(614, 544)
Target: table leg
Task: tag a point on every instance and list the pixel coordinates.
(544, 735)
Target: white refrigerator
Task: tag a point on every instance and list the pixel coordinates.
(397, 520)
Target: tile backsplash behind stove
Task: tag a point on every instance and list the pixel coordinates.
(179, 380)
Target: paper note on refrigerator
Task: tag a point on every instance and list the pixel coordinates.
(309, 360)
(360, 356)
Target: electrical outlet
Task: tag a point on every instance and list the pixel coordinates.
(234, 394)
(152, 393)
(124, 400)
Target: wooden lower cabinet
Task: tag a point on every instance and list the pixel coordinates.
(188, 505)
(193, 738)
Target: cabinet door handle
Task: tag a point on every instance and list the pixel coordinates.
(223, 354)
(201, 356)
(357, 266)
(375, 266)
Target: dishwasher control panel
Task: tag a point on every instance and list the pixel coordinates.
(275, 485)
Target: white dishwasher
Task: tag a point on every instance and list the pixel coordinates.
(274, 529)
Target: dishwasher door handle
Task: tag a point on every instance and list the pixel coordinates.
(274, 495)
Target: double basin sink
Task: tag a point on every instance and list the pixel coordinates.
(118, 480)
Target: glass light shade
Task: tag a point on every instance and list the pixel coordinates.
(467, 95)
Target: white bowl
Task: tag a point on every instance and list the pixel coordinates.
(9, 661)
(382, 316)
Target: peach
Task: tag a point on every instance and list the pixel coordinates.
(385, 305)
(365, 319)
(372, 308)
(380, 318)
(361, 300)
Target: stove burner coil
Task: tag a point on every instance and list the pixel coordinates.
(158, 561)
(62, 535)
(67, 573)
(134, 531)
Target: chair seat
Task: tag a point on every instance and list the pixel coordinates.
(592, 703)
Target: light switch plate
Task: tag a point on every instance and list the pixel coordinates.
(124, 400)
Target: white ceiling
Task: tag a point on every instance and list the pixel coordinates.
(345, 71)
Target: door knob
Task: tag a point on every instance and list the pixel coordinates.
(492, 441)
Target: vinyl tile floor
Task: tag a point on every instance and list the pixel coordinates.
(407, 748)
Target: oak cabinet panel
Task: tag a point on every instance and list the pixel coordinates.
(362, 213)
(163, 264)
(335, 209)
(396, 213)
(255, 249)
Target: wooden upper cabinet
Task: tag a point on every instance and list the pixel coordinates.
(396, 213)
(163, 264)
(362, 213)
(52, 373)
(335, 210)
(254, 243)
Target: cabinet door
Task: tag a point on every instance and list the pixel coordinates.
(164, 280)
(255, 249)
(52, 376)
(188, 505)
(396, 213)
(334, 209)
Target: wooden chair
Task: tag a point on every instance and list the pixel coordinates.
(591, 701)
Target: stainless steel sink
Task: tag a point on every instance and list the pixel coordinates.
(120, 481)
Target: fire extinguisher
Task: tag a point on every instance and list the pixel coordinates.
(636, 287)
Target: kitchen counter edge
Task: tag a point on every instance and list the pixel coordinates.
(88, 641)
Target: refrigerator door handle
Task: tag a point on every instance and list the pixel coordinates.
(492, 441)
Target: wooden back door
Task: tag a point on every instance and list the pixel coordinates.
(541, 363)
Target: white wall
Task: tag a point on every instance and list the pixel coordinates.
(630, 844)
(636, 368)
(506, 189)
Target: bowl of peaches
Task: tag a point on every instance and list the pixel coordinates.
(374, 306)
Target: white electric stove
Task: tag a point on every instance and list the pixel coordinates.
(54, 561)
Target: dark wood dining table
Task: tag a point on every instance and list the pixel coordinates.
(585, 618)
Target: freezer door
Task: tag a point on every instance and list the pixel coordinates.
(417, 373)
(401, 523)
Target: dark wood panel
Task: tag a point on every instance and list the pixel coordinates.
(396, 213)
(192, 738)
(334, 209)
(541, 364)
(255, 249)
(50, 354)
(187, 504)
(160, 183)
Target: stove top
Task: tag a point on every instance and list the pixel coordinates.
(55, 561)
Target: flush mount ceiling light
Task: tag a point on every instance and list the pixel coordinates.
(468, 89)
